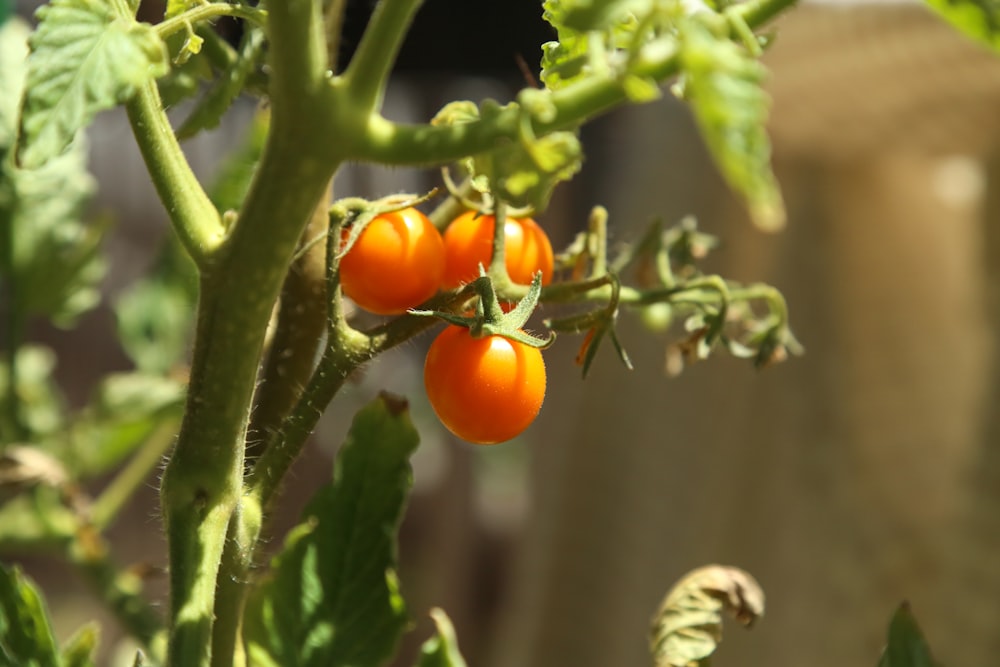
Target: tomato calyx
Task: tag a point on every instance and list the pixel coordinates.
(353, 214)
(489, 318)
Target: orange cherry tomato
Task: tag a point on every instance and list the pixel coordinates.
(484, 390)
(396, 264)
(468, 242)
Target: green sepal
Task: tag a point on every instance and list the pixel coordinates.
(489, 318)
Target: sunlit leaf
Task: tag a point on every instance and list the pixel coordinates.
(722, 82)
(687, 628)
(83, 59)
(13, 54)
(332, 598)
(979, 19)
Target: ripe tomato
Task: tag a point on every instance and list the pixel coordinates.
(395, 264)
(484, 390)
(468, 242)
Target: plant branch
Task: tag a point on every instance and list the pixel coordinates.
(392, 143)
(201, 495)
(194, 217)
(299, 333)
(368, 72)
(208, 12)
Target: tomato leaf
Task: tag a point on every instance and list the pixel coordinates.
(40, 405)
(79, 650)
(14, 56)
(25, 632)
(441, 650)
(156, 315)
(233, 181)
(905, 646)
(123, 413)
(83, 59)
(49, 256)
(219, 97)
(687, 628)
(722, 82)
(332, 597)
(978, 19)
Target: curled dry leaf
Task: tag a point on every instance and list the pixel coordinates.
(687, 628)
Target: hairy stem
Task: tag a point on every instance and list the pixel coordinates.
(194, 217)
(299, 333)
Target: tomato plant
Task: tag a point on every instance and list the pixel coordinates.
(232, 417)
(468, 242)
(395, 263)
(485, 390)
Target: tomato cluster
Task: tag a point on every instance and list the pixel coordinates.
(484, 390)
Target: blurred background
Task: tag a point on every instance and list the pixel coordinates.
(847, 480)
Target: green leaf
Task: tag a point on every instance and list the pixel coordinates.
(14, 56)
(687, 628)
(156, 315)
(124, 412)
(441, 650)
(978, 19)
(332, 598)
(722, 82)
(25, 632)
(905, 646)
(79, 650)
(40, 407)
(219, 97)
(83, 59)
(233, 181)
(50, 258)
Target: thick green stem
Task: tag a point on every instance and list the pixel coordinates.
(202, 485)
(194, 217)
(368, 71)
(300, 327)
